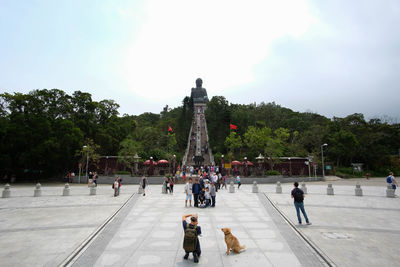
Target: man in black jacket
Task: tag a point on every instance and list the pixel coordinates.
(298, 196)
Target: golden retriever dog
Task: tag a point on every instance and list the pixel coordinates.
(232, 243)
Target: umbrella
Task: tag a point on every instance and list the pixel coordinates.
(162, 161)
(235, 162)
(147, 162)
(249, 163)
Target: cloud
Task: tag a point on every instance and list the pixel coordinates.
(219, 41)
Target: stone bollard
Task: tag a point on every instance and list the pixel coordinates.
(38, 190)
(389, 191)
(93, 190)
(164, 188)
(231, 188)
(66, 190)
(140, 189)
(358, 190)
(303, 187)
(255, 187)
(278, 188)
(329, 190)
(6, 191)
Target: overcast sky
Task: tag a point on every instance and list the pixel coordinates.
(332, 57)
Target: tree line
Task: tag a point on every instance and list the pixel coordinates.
(45, 133)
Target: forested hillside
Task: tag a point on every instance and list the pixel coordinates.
(44, 133)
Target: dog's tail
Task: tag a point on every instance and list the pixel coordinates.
(242, 247)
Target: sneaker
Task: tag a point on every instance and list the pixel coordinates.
(309, 223)
(299, 223)
(186, 256)
(144, 194)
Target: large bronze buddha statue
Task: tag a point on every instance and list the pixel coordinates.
(199, 94)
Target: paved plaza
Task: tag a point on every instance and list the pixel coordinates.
(132, 230)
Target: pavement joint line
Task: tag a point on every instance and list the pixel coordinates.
(80, 249)
(60, 206)
(320, 253)
(47, 228)
(340, 207)
(342, 195)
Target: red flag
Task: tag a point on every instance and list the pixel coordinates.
(233, 127)
(170, 129)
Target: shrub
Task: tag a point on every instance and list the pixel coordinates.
(272, 172)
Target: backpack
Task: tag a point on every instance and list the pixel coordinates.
(298, 195)
(389, 179)
(190, 239)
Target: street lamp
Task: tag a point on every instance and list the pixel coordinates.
(87, 161)
(290, 166)
(322, 154)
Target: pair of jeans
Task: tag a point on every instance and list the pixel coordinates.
(300, 206)
(212, 201)
(196, 200)
(207, 202)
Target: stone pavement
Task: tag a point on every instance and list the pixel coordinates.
(350, 230)
(149, 233)
(43, 231)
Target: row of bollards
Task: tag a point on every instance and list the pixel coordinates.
(38, 190)
(329, 190)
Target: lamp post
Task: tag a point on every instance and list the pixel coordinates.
(290, 166)
(260, 160)
(87, 161)
(246, 168)
(136, 159)
(322, 154)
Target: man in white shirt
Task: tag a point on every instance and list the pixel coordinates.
(188, 191)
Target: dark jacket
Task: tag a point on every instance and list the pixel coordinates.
(196, 188)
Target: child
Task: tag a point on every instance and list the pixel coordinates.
(238, 181)
(202, 198)
(213, 194)
(207, 196)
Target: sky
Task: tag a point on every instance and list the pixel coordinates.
(332, 57)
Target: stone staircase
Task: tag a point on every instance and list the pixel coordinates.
(198, 143)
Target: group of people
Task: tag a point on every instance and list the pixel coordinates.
(204, 190)
(116, 186)
(169, 184)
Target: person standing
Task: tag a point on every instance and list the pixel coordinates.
(298, 195)
(115, 186)
(207, 196)
(188, 191)
(191, 241)
(171, 185)
(392, 181)
(213, 194)
(144, 183)
(196, 191)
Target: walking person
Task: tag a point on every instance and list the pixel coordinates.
(188, 191)
(298, 195)
(392, 181)
(224, 181)
(191, 243)
(238, 181)
(144, 183)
